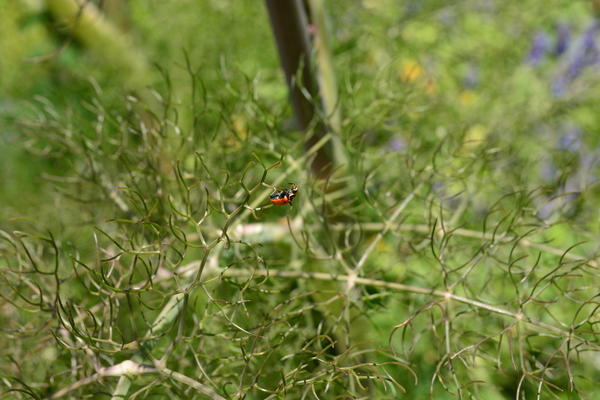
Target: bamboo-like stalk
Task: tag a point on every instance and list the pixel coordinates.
(291, 30)
(85, 23)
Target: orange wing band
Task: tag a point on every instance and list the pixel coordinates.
(280, 202)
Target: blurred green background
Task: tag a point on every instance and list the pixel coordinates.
(131, 141)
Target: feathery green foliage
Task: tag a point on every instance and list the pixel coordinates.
(453, 257)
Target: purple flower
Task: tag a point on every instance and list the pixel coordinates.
(471, 77)
(561, 201)
(585, 54)
(559, 87)
(546, 210)
(562, 40)
(397, 144)
(570, 140)
(589, 36)
(539, 47)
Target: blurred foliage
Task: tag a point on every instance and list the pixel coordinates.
(453, 257)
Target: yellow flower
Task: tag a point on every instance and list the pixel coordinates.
(411, 71)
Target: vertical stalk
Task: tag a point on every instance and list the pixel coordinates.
(291, 30)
